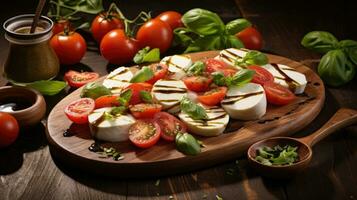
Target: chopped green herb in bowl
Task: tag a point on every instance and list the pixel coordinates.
(277, 156)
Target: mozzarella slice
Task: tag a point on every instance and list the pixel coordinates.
(287, 77)
(245, 103)
(118, 79)
(230, 55)
(213, 126)
(169, 94)
(111, 130)
(177, 65)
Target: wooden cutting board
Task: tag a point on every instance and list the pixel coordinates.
(163, 158)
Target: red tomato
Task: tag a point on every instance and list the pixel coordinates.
(117, 48)
(251, 38)
(104, 23)
(160, 71)
(277, 94)
(261, 75)
(78, 79)
(213, 97)
(9, 129)
(155, 34)
(144, 133)
(145, 110)
(78, 110)
(169, 125)
(136, 88)
(197, 83)
(172, 18)
(70, 48)
(213, 65)
(106, 101)
(60, 25)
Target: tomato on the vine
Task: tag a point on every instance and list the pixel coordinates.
(60, 25)
(172, 18)
(70, 47)
(118, 48)
(103, 23)
(9, 129)
(251, 38)
(155, 34)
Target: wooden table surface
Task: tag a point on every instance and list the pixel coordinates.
(27, 170)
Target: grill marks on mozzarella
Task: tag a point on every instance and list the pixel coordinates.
(229, 56)
(177, 65)
(118, 79)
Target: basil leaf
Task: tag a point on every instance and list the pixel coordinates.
(233, 42)
(335, 69)
(212, 42)
(193, 110)
(142, 75)
(253, 57)
(187, 144)
(147, 55)
(183, 37)
(196, 69)
(145, 96)
(85, 6)
(347, 44)
(48, 87)
(94, 90)
(237, 26)
(203, 22)
(352, 55)
(125, 97)
(118, 110)
(319, 41)
(242, 77)
(219, 79)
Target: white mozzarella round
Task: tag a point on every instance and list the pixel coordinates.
(230, 55)
(177, 65)
(118, 79)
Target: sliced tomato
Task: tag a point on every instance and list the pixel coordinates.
(78, 79)
(136, 88)
(78, 110)
(160, 71)
(197, 83)
(106, 101)
(144, 133)
(277, 94)
(261, 75)
(213, 97)
(169, 125)
(145, 110)
(213, 65)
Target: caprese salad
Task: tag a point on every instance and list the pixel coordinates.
(178, 97)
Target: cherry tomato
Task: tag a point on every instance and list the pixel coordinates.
(197, 83)
(251, 38)
(172, 18)
(213, 65)
(160, 71)
(78, 110)
(78, 79)
(155, 34)
(9, 129)
(277, 94)
(106, 101)
(60, 25)
(104, 23)
(261, 75)
(117, 48)
(144, 133)
(145, 110)
(69, 47)
(213, 97)
(169, 125)
(136, 88)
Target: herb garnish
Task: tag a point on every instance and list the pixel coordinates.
(147, 55)
(187, 144)
(242, 77)
(94, 90)
(110, 152)
(125, 97)
(144, 74)
(196, 69)
(253, 57)
(277, 155)
(193, 110)
(145, 96)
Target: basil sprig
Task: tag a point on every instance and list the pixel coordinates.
(94, 90)
(241, 78)
(196, 69)
(147, 55)
(339, 61)
(142, 75)
(187, 144)
(145, 96)
(253, 57)
(193, 110)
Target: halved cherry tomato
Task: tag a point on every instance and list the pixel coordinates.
(136, 88)
(213, 97)
(106, 101)
(251, 38)
(160, 71)
(145, 110)
(213, 65)
(144, 133)
(78, 79)
(9, 129)
(78, 110)
(169, 125)
(172, 18)
(197, 83)
(103, 23)
(261, 75)
(277, 94)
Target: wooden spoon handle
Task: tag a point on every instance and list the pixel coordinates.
(38, 12)
(342, 118)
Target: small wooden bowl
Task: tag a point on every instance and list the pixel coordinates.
(30, 115)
